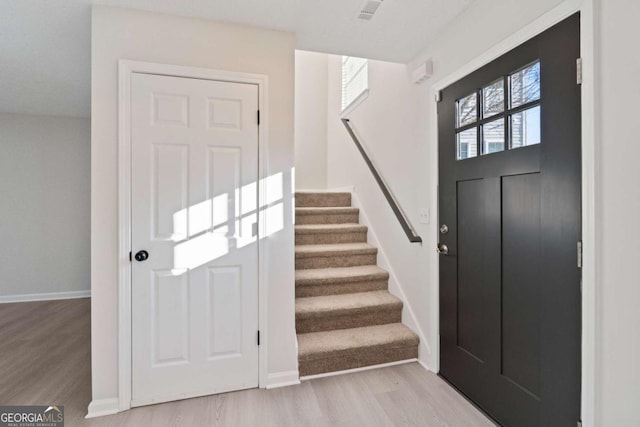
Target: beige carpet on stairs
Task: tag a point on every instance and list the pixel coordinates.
(345, 316)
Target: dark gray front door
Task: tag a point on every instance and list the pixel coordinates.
(509, 194)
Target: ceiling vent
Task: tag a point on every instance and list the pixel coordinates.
(368, 9)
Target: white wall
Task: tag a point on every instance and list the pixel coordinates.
(396, 124)
(618, 141)
(122, 33)
(311, 121)
(44, 186)
(390, 126)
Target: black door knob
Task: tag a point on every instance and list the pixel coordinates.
(142, 255)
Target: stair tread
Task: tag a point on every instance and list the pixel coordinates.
(342, 249)
(346, 303)
(340, 275)
(329, 228)
(326, 210)
(318, 345)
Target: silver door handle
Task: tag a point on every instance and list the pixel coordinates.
(442, 249)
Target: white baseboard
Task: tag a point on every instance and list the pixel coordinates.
(346, 189)
(425, 366)
(326, 190)
(282, 379)
(102, 407)
(364, 368)
(49, 296)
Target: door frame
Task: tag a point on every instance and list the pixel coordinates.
(125, 70)
(588, 164)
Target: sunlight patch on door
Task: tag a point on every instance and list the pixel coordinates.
(200, 250)
(227, 221)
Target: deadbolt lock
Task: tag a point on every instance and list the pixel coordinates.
(442, 249)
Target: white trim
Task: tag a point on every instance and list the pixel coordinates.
(264, 171)
(424, 365)
(395, 287)
(102, 407)
(126, 68)
(587, 48)
(354, 370)
(324, 190)
(589, 203)
(317, 190)
(48, 296)
(346, 189)
(124, 237)
(282, 379)
(354, 104)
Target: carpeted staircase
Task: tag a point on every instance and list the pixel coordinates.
(345, 316)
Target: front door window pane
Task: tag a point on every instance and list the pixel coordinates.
(493, 137)
(525, 85)
(493, 99)
(466, 110)
(525, 128)
(467, 143)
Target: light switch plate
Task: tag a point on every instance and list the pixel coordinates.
(424, 216)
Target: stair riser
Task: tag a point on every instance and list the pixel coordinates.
(340, 218)
(328, 238)
(352, 360)
(340, 288)
(335, 261)
(319, 200)
(348, 320)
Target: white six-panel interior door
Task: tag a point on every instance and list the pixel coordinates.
(194, 211)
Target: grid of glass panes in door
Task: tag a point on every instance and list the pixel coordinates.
(504, 114)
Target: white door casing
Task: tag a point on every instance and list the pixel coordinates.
(194, 200)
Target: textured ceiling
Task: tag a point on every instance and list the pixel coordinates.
(45, 44)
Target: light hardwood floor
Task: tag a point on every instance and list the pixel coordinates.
(45, 359)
